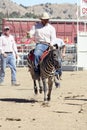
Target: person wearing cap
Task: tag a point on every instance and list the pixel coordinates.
(60, 45)
(8, 54)
(44, 34)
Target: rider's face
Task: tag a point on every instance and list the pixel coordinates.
(44, 21)
(7, 32)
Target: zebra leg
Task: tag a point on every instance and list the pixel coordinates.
(35, 87)
(40, 86)
(44, 88)
(50, 84)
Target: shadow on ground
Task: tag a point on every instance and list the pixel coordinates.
(17, 100)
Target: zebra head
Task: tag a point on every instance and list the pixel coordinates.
(55, 55)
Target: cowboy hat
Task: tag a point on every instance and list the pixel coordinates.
(6, 28)
(45, 16)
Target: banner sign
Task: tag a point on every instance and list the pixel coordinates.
(83, 7)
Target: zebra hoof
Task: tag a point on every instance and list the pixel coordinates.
(40, 90)
(45, 99)
(57, 85)
(48, 98)
(35, 91)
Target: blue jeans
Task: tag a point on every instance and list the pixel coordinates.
(40, 48)
(10, 60)
(59, 71)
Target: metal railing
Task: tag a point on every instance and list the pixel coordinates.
(69, 62)
(23, 51)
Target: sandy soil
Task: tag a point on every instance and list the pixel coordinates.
(21, 109)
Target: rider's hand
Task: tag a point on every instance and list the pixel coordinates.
(4, 54)
(17, 56)
(63, 55)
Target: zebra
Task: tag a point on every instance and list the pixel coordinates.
(47, 72)
(30, 61)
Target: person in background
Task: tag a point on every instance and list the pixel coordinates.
(8, 54)
(59, 43)
(44, 34)
(0, 33)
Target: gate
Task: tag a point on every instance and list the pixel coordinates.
(69, 62)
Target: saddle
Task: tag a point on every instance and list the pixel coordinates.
(44, 55)
(31, 55)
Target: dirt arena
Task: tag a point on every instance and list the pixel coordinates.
(21, 109)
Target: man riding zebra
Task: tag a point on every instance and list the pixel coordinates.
(44, 34)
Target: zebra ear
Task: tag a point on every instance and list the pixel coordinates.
(52, 47)
(56, 45)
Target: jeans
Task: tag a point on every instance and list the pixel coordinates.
(59, 71)
(40, 48)
(10, 60)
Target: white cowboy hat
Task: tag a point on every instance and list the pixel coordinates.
(6, 28)
(45, 16)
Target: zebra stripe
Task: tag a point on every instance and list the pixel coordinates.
(47, 71)
(47, 67)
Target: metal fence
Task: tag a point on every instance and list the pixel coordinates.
(23, 51)
(69, 62)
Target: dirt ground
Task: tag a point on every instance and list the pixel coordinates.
(21, 109)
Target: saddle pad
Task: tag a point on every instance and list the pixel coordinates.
(31, 55)
(44, 55)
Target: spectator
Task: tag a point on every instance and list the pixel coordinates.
(8, 54)
(59, 43)
(0, 33)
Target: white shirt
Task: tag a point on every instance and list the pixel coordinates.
(59, 42)
(43, 34)
(7, 44)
